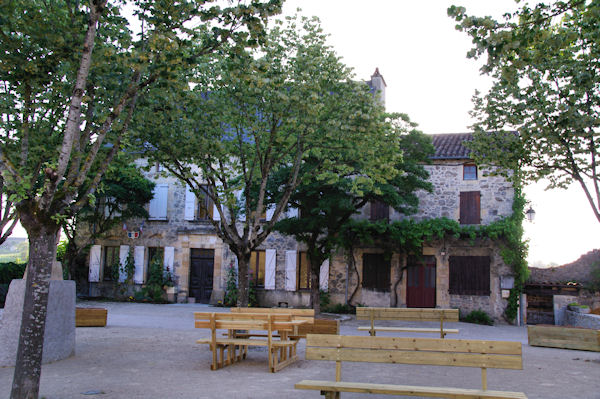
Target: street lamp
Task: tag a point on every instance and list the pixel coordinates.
(530, 213)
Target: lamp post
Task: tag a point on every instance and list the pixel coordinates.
(530, 214)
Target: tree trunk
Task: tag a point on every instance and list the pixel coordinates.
(315, 259)
(43, 239)
(243, 266)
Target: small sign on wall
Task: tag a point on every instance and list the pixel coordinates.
(505, 294)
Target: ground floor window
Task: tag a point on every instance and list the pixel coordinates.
(376, 272)
(470, 275)
(256, 271)
(303, 269)
(111, 263)
(156, 256)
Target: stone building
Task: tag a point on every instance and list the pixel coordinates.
(451, 273)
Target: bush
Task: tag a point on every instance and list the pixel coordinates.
(231, 290)
(10, 271)
(340, 308)
(479, 317)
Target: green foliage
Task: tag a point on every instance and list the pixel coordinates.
(158, 279)
(478, 317)
(543, 60)
(61, 250)
(10, 271)
(340, 308)
(594, 284)
(252, 296)
(324, 299)
(231, 290)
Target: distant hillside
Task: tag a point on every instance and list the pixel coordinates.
(579, 271)
(11, 245)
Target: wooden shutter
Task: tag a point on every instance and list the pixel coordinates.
(470, 275)
(380, 210)
(324, 276)
(470, 211)
(95, 258)
(169, 257)
(270, 264)
(270, 211)
(158, 204)
(190, 203)
(290, 270)
(138, 260)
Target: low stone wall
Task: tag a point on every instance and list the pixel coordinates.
(586, 320)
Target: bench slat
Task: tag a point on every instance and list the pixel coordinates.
(420, 344)
(410, 329)
(439, 392)
(415, 357)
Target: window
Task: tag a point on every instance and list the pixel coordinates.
(155, 254)
(470, 211)
(376, 272)
(205, 206)
(256, 271)
(380, 210)
(470, 275)
(303, 269)
(111, 263)
(158, 204)
(469, 172)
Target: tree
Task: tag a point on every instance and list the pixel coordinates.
(71, 73)
(325, 207)
(8, 214)
(545, 66)
(122, 194)
(247, 117)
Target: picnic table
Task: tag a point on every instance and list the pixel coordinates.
(259, 329)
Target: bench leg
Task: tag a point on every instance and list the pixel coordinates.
(331, 394)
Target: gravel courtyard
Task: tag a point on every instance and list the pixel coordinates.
(148, 351)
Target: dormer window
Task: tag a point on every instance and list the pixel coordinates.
(469, 171)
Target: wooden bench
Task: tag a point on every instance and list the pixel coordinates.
(313, 326)
(421, 351)
(281, 352)
(407, 314)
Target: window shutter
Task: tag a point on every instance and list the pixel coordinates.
(95, 257)
(470, 211)
(270, 211)
(190, 203)
(469, 275)
(169, 258)
(380, 210)
(138, 260)
(239, 195)
(123, 253)
(292, 212)
(324, 276)
(158, 204)
(290, 270)
(270, 263)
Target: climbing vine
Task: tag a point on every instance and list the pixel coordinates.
(409, 236)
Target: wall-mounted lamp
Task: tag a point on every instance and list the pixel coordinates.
(530, 213)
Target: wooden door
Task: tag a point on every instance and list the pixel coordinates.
(202, 263)
(420, 284)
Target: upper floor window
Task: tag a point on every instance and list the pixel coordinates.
(205, 206)
(469, 172)
(256, 271)
(379, 210)
(470, 207)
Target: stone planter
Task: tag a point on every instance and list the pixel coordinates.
(579, 309)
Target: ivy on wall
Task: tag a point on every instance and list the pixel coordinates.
(409, 236)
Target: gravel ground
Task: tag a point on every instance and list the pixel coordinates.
(148, 351)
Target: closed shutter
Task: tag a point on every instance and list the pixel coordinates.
(190, 203)
(469, 275)
(158, 204)
(380, 210)
(376, 272)
(168, 259)
(270, 212)
(290, 270)
(324, 276)
(270, 264)
(292, 212)
(138, 260)
(470, 212)
(123, 254)
(95, 258)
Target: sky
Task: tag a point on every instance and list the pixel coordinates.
(423, 61)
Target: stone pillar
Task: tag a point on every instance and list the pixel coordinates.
(59, 337)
